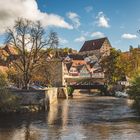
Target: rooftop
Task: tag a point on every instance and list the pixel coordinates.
(93, 44)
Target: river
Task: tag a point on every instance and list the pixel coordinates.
(81, 118)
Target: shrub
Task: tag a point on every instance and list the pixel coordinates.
(134, 89)
(70, 90)
(8, 102)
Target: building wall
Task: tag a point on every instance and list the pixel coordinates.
(105, 49)
(57, 73)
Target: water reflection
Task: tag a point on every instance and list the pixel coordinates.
(52, 114)
(83, 118)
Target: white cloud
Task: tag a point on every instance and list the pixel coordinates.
(97, 34)
(88, 9)
(129, 36)
(80, 39)
(74, 18)
(63, 41)
(102, 20)
(11, 10)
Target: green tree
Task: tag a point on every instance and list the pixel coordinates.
(111, 66)
(134, 90)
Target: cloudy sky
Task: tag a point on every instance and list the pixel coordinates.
(78, 20)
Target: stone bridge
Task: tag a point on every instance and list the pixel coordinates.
(87, 83)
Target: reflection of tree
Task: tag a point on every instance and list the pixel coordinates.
(27, 131)
(13, 134)
(29, 134)
(4, 136)
(99, 131)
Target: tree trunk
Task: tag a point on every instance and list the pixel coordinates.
(26, 81)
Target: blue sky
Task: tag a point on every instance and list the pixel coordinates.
(123, 15)
(78, 20)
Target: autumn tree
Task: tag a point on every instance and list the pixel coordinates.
(48, 73)
(134, 89)
(29, 38)
(111, 66)
(135, 60)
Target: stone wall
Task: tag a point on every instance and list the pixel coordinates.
(28, 97)
(39, 99)
(30, 100)
(56, 73)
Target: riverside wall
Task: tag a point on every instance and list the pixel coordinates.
(35, 100)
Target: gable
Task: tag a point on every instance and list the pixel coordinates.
(67, 58)
(84, 69)
(106, 45)
(96, 65)
(84, 72)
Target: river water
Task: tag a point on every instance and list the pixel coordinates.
(81, 118)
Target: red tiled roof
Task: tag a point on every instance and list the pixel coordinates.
(11, 50)
(3, 53)
(3, 69)
(126, 54)
(78, 62)
(93, 44)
